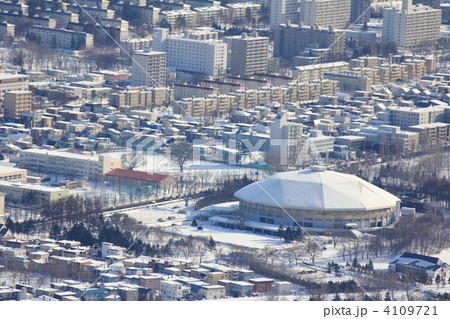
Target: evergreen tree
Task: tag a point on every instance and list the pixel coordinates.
(355, 263)
(337, 297)
(387, 296)
(194, 223)
(211, 243)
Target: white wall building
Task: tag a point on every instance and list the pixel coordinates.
(282, 11)
(190, 54)
(325, 13)
(171, 290)
(40, 160)
(412, 26)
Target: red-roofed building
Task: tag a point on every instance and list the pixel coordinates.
(129, 178)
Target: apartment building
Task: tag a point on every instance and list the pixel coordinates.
(282, 11)
(7, 30)
(149, 68)
(286, 140)
(406, 116)
(317, 71)
(171, 290)
(177, 19)
(13, 174)
(64, 39)
(241, 10)
(431, 3)
(291, 40)
(206, 16)
(412, 26)
(61, 162)
(15, 192)
(324, 13)
(142, 98)
(432, 134)
(13, 82)
(195, 52)
(188, 90)
(391, 137)
(16, 102)
(360, 11)
(11, 7)
(303, 92)
(62, 18)
(249, 54)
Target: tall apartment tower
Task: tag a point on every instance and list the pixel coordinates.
(360, 11)
(286, 141)
(325, 13)
(16, 102)
(413, 26)
(436, 4)
(249, 54)
(149, 68)
(282, 11)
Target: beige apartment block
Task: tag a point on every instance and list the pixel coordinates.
(324, 13)
(66, 163)
(412, 26)
(16, 102)
(13, 82)
(149, 68)
(13, 174)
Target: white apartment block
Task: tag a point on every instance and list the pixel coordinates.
(60, 162)
(64, 39)
(62, 18)
(238, 11)
(412, 26)
(12, 82)
(249, 54)
(206, 16)
(316, 71)
(282, 11)
(194, 55)
(149, 68)
(178, 19)
(7, 30)
(171, 290)
(406, 116)
(325, 13)
(14, 7)
(286, 140)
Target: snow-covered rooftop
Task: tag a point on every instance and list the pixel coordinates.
(317, 190)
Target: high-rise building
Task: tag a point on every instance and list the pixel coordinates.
(436, 4)
(149, 68)
(16, 102)
(412, 26)
(291, 40)
(198, 51)
(282, 11)
(324, 13)
(360, 12)
(286, 141)
(249, 54)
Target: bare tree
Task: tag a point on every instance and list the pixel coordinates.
(314, 250)
(240, 217)
(180, 153)
(132, 160)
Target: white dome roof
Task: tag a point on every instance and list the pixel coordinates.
(317, 189)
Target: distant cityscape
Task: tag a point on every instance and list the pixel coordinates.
(286, 150)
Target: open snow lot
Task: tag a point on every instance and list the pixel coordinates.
(233, 236)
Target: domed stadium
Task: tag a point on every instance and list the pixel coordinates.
(318, 198)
